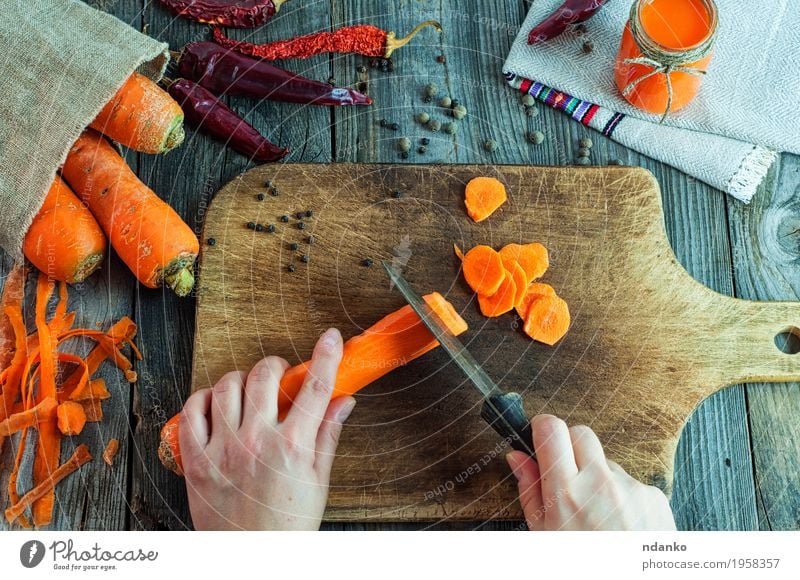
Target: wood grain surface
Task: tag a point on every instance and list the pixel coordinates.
(647, 345)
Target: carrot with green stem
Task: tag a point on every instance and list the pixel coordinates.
(142, 116)
(149, 236)
(64, 240)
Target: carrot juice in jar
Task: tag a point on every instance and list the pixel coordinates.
(665, 49)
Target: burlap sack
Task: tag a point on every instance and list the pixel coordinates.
(61, 62)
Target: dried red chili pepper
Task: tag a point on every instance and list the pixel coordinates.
(206, 112)
(222, 71)
(233, 13)
(363, 39)
(570, 12)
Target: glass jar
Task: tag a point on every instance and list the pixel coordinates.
(665, 49)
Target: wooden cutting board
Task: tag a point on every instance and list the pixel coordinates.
(647, 342)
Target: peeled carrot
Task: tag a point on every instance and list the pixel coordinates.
(483, 196)
(547, 320)
(71, 418)
(483, 270)
(532, 257)
(29, 418)
(501, 301)
(64, 240)
(393, 341)
(142, 116)
(146, 232)
(531, 293)
(46, 487)
(110, 452)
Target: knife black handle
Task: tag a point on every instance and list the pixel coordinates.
(506, 415)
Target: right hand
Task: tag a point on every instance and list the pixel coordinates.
(574, 487)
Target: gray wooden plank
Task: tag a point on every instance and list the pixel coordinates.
(188, 178)
(765, 238)
(708, 494)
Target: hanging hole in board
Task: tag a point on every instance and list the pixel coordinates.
(788, 340)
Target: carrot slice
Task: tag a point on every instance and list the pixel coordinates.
(46, 487)
(501, 301)
(547, 320)
(483, 270)
(532, 292)
(110, 452)
(71, 418)
(532, 257)
(483, 196)
(520, 280)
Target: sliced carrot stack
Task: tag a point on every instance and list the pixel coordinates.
(532, 257)
(520, 281)
(547, 320)
(483, 196)
(483, 270)
(531, 293)
(501, 301)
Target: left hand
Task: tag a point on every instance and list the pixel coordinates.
(245, 469)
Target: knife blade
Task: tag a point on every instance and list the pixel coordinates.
(503, 411)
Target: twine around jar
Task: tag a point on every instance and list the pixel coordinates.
(663, 60)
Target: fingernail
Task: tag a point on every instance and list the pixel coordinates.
(345, 411)
(331, 337)
(514, 463)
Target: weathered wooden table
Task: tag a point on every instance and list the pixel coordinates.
(738, 464)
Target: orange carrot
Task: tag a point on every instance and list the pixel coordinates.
(46, 487)
(532, 257)
(393, 341)
(13, 291)
(169, 448)
(483, 270)
(532, 292)
(64, 240)
(142, 116)
(29, 418)
(110, 452)
(146, 232)
(482, 196)
(71, 418)
(547, 320)
(92, 409)
(501, 301)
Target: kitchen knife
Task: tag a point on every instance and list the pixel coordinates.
(503, 411)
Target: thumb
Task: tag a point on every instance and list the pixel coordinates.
(529, 483)
(328, 435)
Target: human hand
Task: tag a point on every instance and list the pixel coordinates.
(246, 470)
(574, 486)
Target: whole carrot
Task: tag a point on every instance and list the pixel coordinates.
(142, 116)
(64, 240)
(149, 236)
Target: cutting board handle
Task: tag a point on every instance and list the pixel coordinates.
(753, 328)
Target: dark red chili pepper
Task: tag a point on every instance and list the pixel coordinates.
(570, 12)
(233, 13)
(363, 39)
(224, 72)
(203, 110)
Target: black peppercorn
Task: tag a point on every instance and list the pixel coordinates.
(211, 241)
(587, 47)
(260, 197)
(251, 225)
(259, 228)
(394, 126)
(332, 81)
(366, 262)
(269, 184)
(290, 267)
(271, 228)
(293, 246)
(441, 59)
(427, 99)
(425, 141)
(299, 215)
(273, 191)
(404, 155)
(361, 69)
(301, 226)
(383, 122)
(305, 259)
(422, 149)
(309, 213)
(284, 218)
(397, 194)
(311, 240)
(454, 103)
